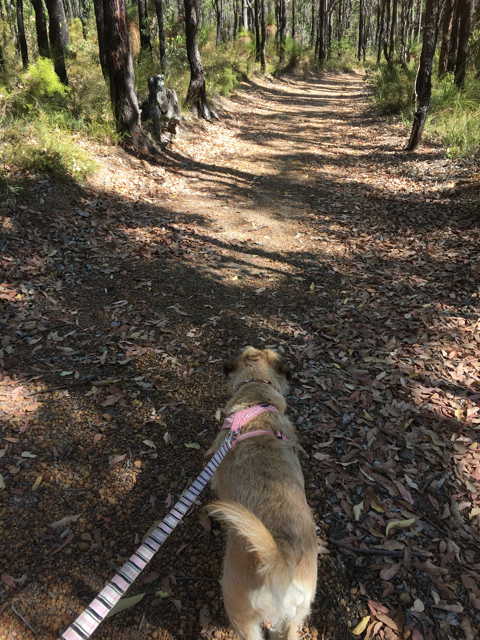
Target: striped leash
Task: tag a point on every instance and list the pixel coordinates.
(98, 609)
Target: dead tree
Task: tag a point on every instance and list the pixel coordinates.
(161, 107)
(423, 84)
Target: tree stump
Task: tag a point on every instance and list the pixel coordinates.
(161, 107)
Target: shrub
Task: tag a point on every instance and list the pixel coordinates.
(393, 89)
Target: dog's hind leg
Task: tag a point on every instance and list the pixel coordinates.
(288, 631)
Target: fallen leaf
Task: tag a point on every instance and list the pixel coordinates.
(113, 460)
(357, 510)
(64, 521)
(125, 603)
(391, 570)
(149, 443)
(361, 626)
(418, 605)
(191, 445)
(2, 482)
(28, 454)
(399, 524)
(37, 482)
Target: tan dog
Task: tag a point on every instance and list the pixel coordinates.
(270, 565)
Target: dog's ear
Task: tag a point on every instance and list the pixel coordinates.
(278, 363)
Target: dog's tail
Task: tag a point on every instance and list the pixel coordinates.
(258, 538)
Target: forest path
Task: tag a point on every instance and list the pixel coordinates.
(294, 222)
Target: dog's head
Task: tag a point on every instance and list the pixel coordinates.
(259, 365)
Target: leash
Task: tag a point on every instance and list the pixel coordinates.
(99, 608)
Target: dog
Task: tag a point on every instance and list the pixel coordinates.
(270, 564)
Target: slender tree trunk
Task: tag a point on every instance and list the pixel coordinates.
(84, 10)
(281, 10)
(197, 91)
(263, 36)
(381, 19)
(41, 29)
(99, 20)
(245, 15)
(161, 35)
(312, 25)
(321, 29)
(256, 15)
(454, 31)
(293, 19)
(444, 32)
(423, 85)
(386, 39)
(145, 42)
(58, 33)
(361, 26)
(22, 41)
(393, 31)
(463, 37)
(119, 66)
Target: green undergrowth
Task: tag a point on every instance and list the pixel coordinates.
(454, 115)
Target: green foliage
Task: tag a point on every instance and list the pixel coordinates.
(342, 57)
(393, 89)
(454, 116)
(38, 88)
(35, 145)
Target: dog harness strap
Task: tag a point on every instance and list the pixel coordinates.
(88, 621)
(235, 421)
(259, 432)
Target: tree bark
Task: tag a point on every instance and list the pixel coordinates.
(161, 34)
(41, 29)
(293, 20)
(454, 30)
(98, 7)
(281, 14)
(444, 32)
(263, 36)
(58, 33)
(361, 27)
(145, 42)
(22, 41)
(321, 29)
(197, 91)
(463, 37)
(423, 84)
(119, 65)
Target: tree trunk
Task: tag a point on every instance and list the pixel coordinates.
(263, 36)
(197, 91)
(423, 84)
(145, 42)
(256, 15)
(454, 30)
(381, 27)
(312, 26)
(321, 28)
(444, 31)
(58, 33)
(245, 15)
(361, 26)
(119, 66)
(393, 31)
(98, 7)
(22, 41)
(293, 20)
(161, 35)
(41, 29)
(463, 37)
(281, 11)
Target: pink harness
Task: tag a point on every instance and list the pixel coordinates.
(239, 419)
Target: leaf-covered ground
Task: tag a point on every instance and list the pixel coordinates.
(296, 222)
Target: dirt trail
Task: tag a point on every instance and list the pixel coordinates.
(294, 222)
